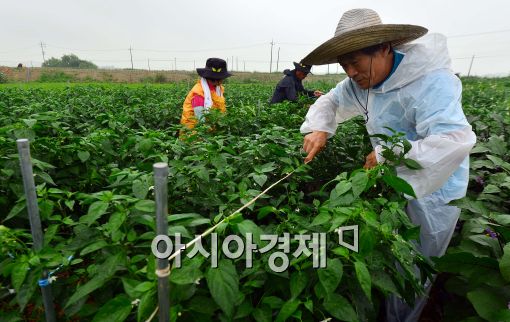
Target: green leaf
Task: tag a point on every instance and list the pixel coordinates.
(287, 310)
(298, 282)
(486, 302)
(189, 272)
(46, 177)
(140, 188)
(262, 314)
(364, 278)
(223, 283)
(146, 206)
(18, 275)
(93, 247)
(145, 145)
(260, 179)
(203, 304)
(69, 204)
(499, 162)
(330, 276)
(30, 122)
(383, 281)
(89, 287)
(148, 303)
(359, 183)
(248, 226)
(367, 241)
(185, 216)
(268, 167)
(24, 294)
(96, 210)
(340, 308)
(411, 164)
(490, 188)
(83, 155)
(479, 149)
(174, 230)
(322, 218)
(105, 273)
(400, 185)
(264, 211)
(115, 310)
(467, 264)
(341, 188)
(203, 174)
(18, 208)
(504, 263)
(273, 302)
(130, 286)
(144, 287)
(407, 146)
(116, 220)
(502, 219)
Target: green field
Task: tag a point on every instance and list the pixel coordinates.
(93, 148)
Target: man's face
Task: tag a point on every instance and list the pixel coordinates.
(300, 75)
(367, 70)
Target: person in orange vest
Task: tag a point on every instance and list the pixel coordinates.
(207, 93)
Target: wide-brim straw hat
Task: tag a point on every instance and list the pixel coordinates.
(358, 29)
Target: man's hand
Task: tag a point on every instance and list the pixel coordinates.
(313, 143)
(317, 93)
(370, 161)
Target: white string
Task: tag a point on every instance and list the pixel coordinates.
(163, 272)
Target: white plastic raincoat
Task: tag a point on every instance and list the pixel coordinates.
(422, 98)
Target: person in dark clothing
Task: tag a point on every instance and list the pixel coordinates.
(291, 86)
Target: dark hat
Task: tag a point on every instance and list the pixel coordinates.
(302, 67)
(215, 68)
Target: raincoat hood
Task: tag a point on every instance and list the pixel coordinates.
(421, 57)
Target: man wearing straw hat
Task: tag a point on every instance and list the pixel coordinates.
(398, 81)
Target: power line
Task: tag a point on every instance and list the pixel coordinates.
(161, 50)
(202, 50)
(479, 33)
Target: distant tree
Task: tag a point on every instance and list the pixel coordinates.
(69, 61)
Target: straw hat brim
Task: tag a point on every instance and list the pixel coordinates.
(357, 39)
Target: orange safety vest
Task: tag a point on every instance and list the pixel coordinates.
(188, 116)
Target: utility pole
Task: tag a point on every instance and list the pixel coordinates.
(244, 65)
(42, 49)
(237, 63)
(131, 54)
(175, 63)
(471, 65)
(271, 61)
(148, 64)
(232, 63)
(328, 69)
(278, 59)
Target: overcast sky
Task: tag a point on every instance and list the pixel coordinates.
(182, 34)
